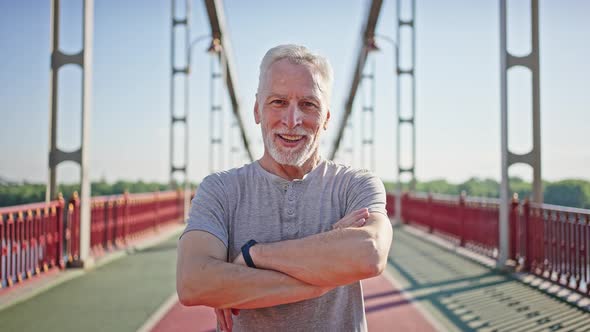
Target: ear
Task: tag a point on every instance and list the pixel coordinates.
(256, 111)
(327, 119)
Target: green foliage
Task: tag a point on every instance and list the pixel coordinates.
(20, 194)
(572, 193)
(16, 194)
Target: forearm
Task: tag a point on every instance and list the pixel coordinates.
(333, 258)
(219, 284)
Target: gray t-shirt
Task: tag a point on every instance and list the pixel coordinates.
(250, 203)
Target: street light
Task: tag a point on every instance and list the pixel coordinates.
(214, 47)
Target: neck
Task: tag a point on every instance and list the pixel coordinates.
(289, 172)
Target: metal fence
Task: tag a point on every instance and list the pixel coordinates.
(549, 241)
(37, 237)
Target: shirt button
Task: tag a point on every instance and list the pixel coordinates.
(290, 211)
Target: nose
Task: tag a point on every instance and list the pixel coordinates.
(292, 116)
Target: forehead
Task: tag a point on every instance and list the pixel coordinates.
(285, 77)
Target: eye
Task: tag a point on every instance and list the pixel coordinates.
(309, 104)
(278, 102)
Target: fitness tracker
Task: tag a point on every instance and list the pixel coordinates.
(246, 253)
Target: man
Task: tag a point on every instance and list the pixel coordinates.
(290, 236)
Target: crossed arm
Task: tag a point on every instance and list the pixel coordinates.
(289, 271)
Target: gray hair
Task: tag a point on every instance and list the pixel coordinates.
(297, 54)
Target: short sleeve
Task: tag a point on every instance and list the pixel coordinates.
(366, 191)
(208, 210)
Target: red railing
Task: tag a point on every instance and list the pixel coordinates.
(552, 242)
(546, 240)
(468, 222)
(117, 219)
(30, 240)
(37, 237)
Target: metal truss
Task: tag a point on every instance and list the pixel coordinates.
(403, 45)
(533, 157)
(368, 117)
(182, 23)
(216, 121)
(83, 59)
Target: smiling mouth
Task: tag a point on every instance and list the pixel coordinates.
(291, 138)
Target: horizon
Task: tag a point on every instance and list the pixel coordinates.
(4, 181)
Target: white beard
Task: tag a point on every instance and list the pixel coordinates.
(295, 156)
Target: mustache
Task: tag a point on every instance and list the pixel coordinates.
(295, 132)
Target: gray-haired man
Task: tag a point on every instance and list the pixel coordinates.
(286, 238)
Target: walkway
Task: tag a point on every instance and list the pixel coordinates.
(463, 295)
(425, 288)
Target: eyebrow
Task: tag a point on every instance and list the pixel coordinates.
(278, 95)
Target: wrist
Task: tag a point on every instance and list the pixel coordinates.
(246, 253)
(256, 255)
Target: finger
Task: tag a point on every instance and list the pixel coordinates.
(357, 223)
(348, 220)
(356, 215)
(365, 213)
(221, 319)
(360, 223)
(353, 217)
(228, 320)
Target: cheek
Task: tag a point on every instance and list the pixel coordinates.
(314, 123)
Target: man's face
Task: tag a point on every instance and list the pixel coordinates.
(292, 112)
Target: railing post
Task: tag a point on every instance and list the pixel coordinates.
(109, 223)
(530, 230)
(126, 217)
(156, 210)
(59, 236)
(179, 203)
(74, 216)
(3, 251)
(430, 214)
(463, 235)
(513, 221)
(20, 246)
(11, 259)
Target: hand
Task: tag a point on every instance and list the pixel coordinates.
(356, 218)
(224, 318)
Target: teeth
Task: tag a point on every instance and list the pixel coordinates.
(291, 137)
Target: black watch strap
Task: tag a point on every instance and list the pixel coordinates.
(246, 253)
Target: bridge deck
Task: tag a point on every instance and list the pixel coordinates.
(425, 287)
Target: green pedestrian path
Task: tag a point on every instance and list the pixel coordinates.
(465, 295)
(458, 293)
(118, 296)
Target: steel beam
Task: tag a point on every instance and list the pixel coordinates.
(81, 155)
(368, 117)
(175, 70)
(533, 157)
(218, 31)
(410, 121)
(367, 39)
(216, 123)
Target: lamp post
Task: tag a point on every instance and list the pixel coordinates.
(214, 49)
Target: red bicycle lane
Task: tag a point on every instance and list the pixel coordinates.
(386, 307)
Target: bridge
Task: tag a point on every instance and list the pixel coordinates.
(457, 263)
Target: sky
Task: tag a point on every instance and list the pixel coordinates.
(457, 85)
